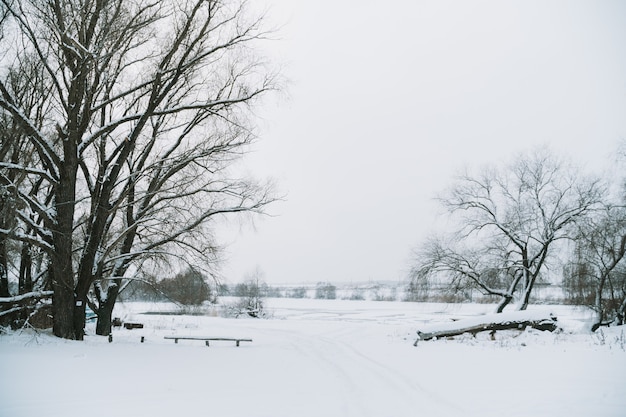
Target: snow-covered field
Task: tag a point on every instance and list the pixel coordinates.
(316, 358)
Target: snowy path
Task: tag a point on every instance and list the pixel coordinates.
(311, 360)
(344, 379)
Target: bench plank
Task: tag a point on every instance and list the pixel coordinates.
(237, 340)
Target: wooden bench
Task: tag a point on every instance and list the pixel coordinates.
(207, 339)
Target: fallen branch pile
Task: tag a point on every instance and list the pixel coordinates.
(22, 307)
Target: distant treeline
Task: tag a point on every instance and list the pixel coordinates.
(190, 288)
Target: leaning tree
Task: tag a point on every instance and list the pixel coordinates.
(509, 220)
(148, 106)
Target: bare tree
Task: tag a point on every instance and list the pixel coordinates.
(599, 268)
(26, 84)
(509, 220)
(148, 109)
(251, 295)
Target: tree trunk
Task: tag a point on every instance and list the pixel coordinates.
(105, 311)
(4, 272)
(62, 276)
(598, 305)
(62, 271)
(25, 283)
(523, 305)
(621, 313)
(527, 290)
(4, 282)
(505, 301)
(508, 297)
(79, 318)
(62, 309)
(7, 220)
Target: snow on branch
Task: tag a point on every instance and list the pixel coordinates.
(44, 148)
(23, 237)
(26, 296)
(28, 170)
(10, 311)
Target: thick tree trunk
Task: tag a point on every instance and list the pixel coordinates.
(62, 271)
(505, 301)
(79, 318)
(105, 311)
(527, 291)
(62, 276)
(508, 296)
(523, 305)
(62, 309)
(63, 301)
(104, 320)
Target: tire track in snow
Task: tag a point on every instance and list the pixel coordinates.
(399, 380)
(380, 390)
(337, 381)
(405, 389)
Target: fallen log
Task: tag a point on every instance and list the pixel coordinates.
(519, 320)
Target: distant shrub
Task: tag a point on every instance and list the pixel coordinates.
(188, 288)
(299, 292)
(356, 295)
(222, 289)
(382, 297)
(325, 291)
(270, 292)
(418, 289)
(143, 288)
(384, 294)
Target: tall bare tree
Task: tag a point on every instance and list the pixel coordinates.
(149, 105)
(20, 182)
(509, 221)
(596, 274)
(601, 266)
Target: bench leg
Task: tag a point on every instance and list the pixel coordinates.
(237, 341)
(207, 342)
(175, 340)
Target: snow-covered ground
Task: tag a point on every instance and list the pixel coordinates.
(317, 358)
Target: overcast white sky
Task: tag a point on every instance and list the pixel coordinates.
(389, 99)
